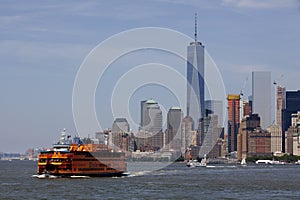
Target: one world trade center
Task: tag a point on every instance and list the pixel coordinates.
(195, 80)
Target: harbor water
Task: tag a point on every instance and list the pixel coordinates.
(176, 181)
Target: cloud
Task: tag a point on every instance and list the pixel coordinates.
(261, 4)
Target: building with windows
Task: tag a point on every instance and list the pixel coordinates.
(292, 106)
(151, 117)
(292, 136)
(248, 124)
(276, 138)
(261, 95)
(173, 132)
(186, 133)
(280, 104)
(215, 107)
(195, 80)
(233, 120)
(121, 137)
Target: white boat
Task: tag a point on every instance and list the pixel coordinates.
(193, 163)
(277, 162)
(263, 162)
(270, 162)
(243, 162)
(203, 162)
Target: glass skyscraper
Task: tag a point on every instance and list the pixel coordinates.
(195, 84)
(261, 94)
(292, 106)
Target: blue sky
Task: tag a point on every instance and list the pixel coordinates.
(43, 43)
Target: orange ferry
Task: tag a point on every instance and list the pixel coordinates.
(73, 158)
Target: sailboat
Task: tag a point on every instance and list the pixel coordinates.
(243, 162)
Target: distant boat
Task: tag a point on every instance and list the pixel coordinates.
(243, 162)
(203, 162)
(270, 162)
(195, 163)
(263, 162)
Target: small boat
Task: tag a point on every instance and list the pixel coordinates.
(203, 162)
(263, 162)
(196, 163)
(193, 163)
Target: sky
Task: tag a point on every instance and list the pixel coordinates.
(44, 43)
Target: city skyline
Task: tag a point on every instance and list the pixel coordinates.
(43, 45)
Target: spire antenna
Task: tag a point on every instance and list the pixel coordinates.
(195, 27)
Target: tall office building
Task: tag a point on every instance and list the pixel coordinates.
(248, 124)
(195, 77)
(292, 105)
(233, 120)
(292, 136)
(261, 94)
(186, 133)
(247, 108)
(151, 117)
(252, 140)
(173, 132)
(121, 138)
(215, 107)
(120, 125)
(280, 104)
(276, 138)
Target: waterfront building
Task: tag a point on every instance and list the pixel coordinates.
(212, 133)
(276, 138)
(151, 117)
(120, 125)
(215, 107)
(296, 144)
(280, 104)
(233, 120)
(292, 106)
(121, 137)
(173, 132)
(195, 80)
(186, 133)
(259, 143)
(148, 142)
(261, 94)
(248, 124)
(292, 136)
